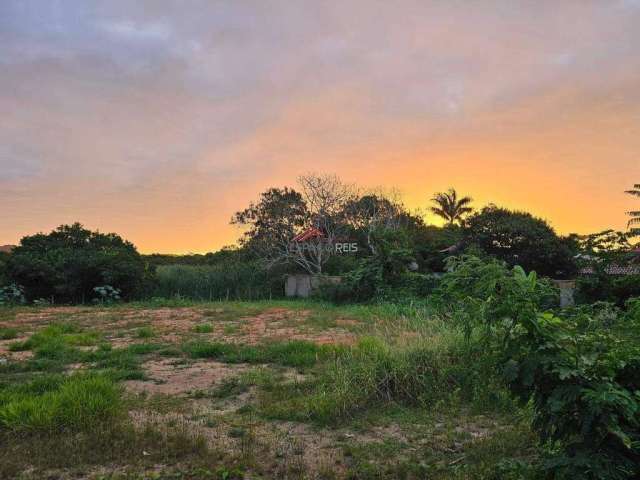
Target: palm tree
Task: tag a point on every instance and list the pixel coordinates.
(450, 207)
(635, 215)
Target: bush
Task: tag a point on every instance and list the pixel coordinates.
(69, 262)
(375, 276)
(583, 382)
(519, 238)
(12, 295)
(580, 372)
(609, 288)
(106, 294)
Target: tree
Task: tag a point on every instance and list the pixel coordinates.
(371, 212)
(451, 208)
(68, 263)
(634, 222)
(4, 259)
(273, 224)
(519, 238)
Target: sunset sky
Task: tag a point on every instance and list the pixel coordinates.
(158, 119)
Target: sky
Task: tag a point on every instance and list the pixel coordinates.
(159, 119)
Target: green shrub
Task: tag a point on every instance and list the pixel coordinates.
(69, 262)
(583, 381)
(580, 372)
(12, 295)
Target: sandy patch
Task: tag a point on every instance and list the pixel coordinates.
(284, 324)
(171, 378)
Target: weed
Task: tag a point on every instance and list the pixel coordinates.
(145, 332)
(8, 333)
(203, 328)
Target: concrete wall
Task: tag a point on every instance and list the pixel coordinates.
(303, 285)
(567, 287)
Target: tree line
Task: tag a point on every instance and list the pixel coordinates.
(398, 251)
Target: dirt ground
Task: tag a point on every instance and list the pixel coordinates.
(182, 392)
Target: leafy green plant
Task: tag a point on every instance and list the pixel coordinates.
(579, 371)
(106, 294)
(12, 295)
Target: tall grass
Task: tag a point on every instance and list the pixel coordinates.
(59, 403)
(407, 363)
(238, 281)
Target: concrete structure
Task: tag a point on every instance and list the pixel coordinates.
(303, 285)
(567, 287)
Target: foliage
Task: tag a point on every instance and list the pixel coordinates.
(583, 382)
(579, 373)
(634, 221)
(451, 208)
(69, 262)
(519, 238)
(239, 279)
(12, 295)
(376, 274)
(4, 274)
(487, 293)
(272, 222)
(106, 294)
(600, 255)
(601, 286)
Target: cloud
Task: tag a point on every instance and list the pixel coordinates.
(146, 114)
(130, 30)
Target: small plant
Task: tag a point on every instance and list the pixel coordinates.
(12, 295)
(203, 328)
(106, 294)
(145, 332)
(8, 333)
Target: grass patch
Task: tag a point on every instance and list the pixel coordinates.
(122, 363)
(145, 332)
(203, 328)
(375, 374)
(297, 353)
(8, 333)
(56, 403)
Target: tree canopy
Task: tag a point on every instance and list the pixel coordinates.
(519, 238)
(68, 263)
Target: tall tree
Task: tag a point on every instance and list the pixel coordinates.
(634, 222)
(519, 238)
(287, 226)
(451, 208)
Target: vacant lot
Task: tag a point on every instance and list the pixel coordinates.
(249, 390)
